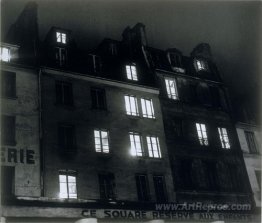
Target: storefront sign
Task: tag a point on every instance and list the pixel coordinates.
(165, 215)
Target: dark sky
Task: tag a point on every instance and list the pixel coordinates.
(232, 28)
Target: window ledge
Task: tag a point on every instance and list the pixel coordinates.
(68, 107)
(10, 97)
(133, 116)
(11, 143)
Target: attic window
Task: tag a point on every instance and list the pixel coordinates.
(131, 72)
(201, 65)
(4, 54)
(61, 37)
(174, 59)
(113, 49)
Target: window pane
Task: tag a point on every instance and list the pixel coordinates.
(202, 134)
(153, 147)
(131, 105)
(135, 142)
(5, 54)
(171, 88)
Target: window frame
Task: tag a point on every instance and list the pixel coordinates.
(145, 111)
(160, 198)
(61, 37)
(128, 105)
(131, 72)
(138, 152)
(224, 138)
(177, 62)
(67, 174)
(203, 140)
(96, 93)
(101, 150)
(201, 64)
(171, 91)
(108, 184)
(8, 81)
(150, 147)
(3, 56)
(143, 194)
(65, 147)
(252, 146)
(60, 56)
(62, 84)
(10, 139)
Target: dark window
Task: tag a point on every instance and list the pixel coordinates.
(113, 49)
(64, 93)
(98, 96)
(142, 187)
(66, 138)
(8, 130)
(211, 172)
(193, 94)
(7, 181)
(160, 188)
(185, 174)
(250, 137)
(94, 63)
(175, 59)
(107, 186)
(60, 56)
(216, 101)
(258, 176)
(8, 84)
(178, 128)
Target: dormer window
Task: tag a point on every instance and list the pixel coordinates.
(94, 63)
(4, 54)
(201, 65)
(113, 49)
(60, 37)
(131, 72)
(174, 59)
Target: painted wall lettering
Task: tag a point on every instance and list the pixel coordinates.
(14, 155)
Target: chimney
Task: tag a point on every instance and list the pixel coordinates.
(202, 50)
(135, 36)
(24, 32)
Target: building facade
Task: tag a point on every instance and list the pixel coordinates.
(249, 137)
(118, 133)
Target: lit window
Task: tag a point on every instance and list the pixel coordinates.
(202, 134)
(4, 54)
(201, 65)
(147, 108)
(60, 37)
(101, 141)
(131, 105)
(67, 185)
(136, 146)
(131, 72)
(224, 138)
(153, 147)
(171, 89)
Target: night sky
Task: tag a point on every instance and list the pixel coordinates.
(233, 30)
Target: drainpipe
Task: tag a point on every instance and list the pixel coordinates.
(42, 166)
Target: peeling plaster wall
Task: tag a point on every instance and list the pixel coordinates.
(25, 152)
